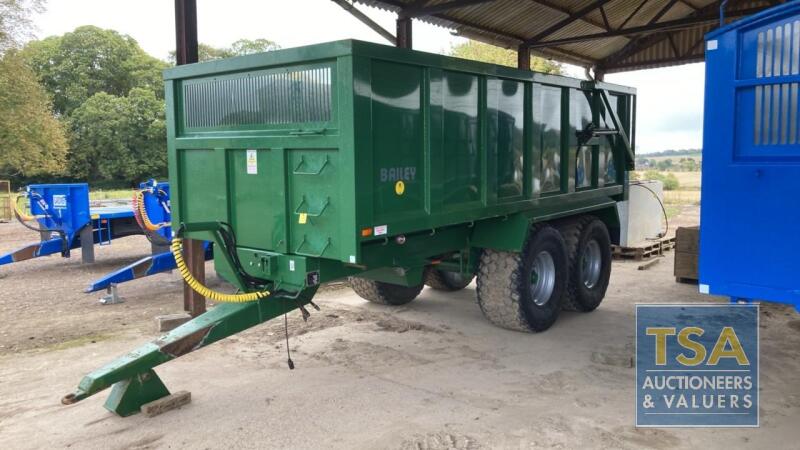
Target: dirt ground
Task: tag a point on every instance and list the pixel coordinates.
(433, 374)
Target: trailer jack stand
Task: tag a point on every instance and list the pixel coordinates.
(132, 376)
(127, 397)
(112, 296)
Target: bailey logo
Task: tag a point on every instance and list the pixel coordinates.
(393, 174)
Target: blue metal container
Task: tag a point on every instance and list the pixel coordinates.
(65, 207)
(750, 217)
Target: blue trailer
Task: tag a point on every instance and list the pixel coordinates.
(65, 220)
(153, 213)
(750, 214)
(149, 265)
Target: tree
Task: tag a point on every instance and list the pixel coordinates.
(669, 180)
(15, 22)
(478, 51)
(688, 165)
(248, 47)
(241, 47)
(665, 164)
(119, 138)
(90, 60)
(32, 140)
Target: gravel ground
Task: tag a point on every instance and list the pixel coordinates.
(433, 374)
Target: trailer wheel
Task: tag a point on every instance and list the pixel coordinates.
(589, 249)
(384, 293)
(523, 291)
(442, 280)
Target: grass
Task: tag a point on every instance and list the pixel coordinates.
(682, 197)
(113, 194)
(672, 210)
(688, 192)
(687, 181)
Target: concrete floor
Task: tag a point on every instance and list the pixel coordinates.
(433, 374)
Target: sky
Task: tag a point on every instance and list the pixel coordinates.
(670, 100)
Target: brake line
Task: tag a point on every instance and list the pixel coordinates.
(177, 252)
(22, 215)
(141, 213)
(23, 218)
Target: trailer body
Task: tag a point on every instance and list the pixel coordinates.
(68, 220)
(351, 157)
(156, 201)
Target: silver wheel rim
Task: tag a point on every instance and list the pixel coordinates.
(543, 278)
(591, 263)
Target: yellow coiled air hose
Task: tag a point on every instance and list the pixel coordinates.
(22, 214)
(177, 252)
(150, 226)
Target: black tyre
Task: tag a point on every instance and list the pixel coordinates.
(589, 250)
(384, 293)
(446, 281)
(523, 291)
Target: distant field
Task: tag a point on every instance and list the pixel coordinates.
(688, 180)
(688, 192)
(675, 158)
(682, 197)
(114, 194)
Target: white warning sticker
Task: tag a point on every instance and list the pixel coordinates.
(252, 162)
(380, 230)
(712, 44)
(59, 201)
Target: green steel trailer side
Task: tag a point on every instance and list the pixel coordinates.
(325, 155)
(393, 167)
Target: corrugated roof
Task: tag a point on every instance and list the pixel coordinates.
(611, 35)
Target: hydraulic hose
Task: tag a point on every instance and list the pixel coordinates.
(23, 218)
(177, 251)
(22, 215)
(141, 213)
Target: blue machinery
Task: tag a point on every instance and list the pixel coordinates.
(150, 265)
(62, 214)
(750, 217)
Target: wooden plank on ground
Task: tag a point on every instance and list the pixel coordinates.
(167, 403)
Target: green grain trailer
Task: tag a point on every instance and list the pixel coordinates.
(394, 168)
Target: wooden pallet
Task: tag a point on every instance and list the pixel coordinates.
(649, 250)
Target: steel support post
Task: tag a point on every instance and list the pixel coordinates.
(186, 53)
(404, 32)
(524, 57)
(185, 31)
(194, 254)
(87, 244)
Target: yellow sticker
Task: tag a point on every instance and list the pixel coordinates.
(399, 187)
(95, 216)
(303, 218)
